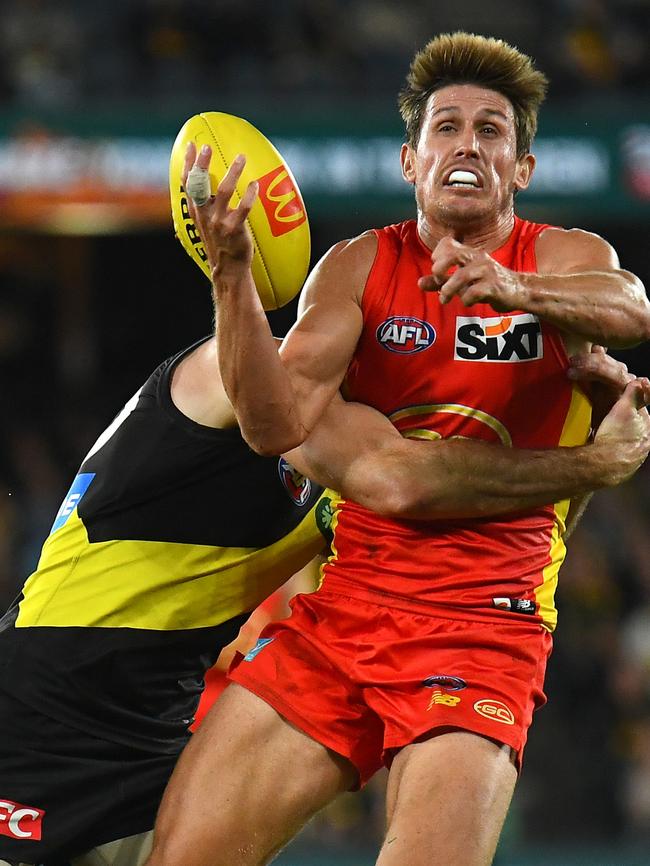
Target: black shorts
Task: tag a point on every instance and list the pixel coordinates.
(63, 791)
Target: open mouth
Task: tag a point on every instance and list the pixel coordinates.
(462, 179)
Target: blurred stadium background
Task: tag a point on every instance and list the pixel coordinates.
(95, 291)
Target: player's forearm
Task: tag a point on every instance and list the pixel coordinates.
(253, 375)
(465, 479)
(357, 451)
(605, 307)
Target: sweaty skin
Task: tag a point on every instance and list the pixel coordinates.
(579, 286)
(211, 815)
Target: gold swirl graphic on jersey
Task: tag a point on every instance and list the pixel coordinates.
(433, 409)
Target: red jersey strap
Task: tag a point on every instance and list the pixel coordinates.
(516, 254)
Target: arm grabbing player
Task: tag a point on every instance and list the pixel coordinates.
(357, 451)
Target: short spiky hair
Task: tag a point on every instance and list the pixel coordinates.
(465, 58)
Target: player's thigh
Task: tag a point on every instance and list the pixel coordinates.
(244, 785)
(447, 799)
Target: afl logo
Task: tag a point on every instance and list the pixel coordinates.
(405, 335)
(297, 486)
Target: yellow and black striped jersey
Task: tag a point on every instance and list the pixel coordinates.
(169, 535)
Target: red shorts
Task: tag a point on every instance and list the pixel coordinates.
(365, 679)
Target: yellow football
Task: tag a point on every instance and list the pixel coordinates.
(277, 221)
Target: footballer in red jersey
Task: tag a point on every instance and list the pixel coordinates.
(426, 645)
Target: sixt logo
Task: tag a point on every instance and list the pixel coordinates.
(445, 681)
(297, 486)
(282, 204)
(405, 335)
(20, 822)
(498, 338)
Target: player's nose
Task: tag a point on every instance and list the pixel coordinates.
(466, 144)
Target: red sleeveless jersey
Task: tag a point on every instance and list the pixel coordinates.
(449, 370)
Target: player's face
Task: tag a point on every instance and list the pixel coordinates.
(465, 167)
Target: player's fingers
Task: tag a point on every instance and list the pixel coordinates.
(599, 350)
(637, 393)
(597, 367)
(248, 199)
(197, 182)
(643, 392)
(228, 184)
(440, 267)
(188, 162)
(461, 279)
(203, 157)
(428, 283)
(448, 244)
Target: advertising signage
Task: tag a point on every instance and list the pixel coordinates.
(73, 180)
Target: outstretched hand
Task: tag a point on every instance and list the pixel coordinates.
(225, 235)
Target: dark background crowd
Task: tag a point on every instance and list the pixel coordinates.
(62, 53)
(84, 319)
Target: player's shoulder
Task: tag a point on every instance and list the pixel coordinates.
(560, 249)
(351, 251)
(344, 268)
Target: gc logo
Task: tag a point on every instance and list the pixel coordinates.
(495, 710)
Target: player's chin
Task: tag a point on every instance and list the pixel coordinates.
(463, 208)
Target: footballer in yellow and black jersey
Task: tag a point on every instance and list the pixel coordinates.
(170, 534)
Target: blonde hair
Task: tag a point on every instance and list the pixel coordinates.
(465, 58)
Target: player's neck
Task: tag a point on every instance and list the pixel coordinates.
(483, 235)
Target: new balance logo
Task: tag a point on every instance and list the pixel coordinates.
(441, 699)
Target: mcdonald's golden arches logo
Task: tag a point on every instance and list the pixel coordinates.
(282, 203)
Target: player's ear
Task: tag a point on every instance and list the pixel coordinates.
(407, 158)
(524, 171)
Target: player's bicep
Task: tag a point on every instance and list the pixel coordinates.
(343, 449)
(318, 349)
(561, 251)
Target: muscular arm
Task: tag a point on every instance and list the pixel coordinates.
(278, 398)
(357, 451)
(579, 286)
(581, 289)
